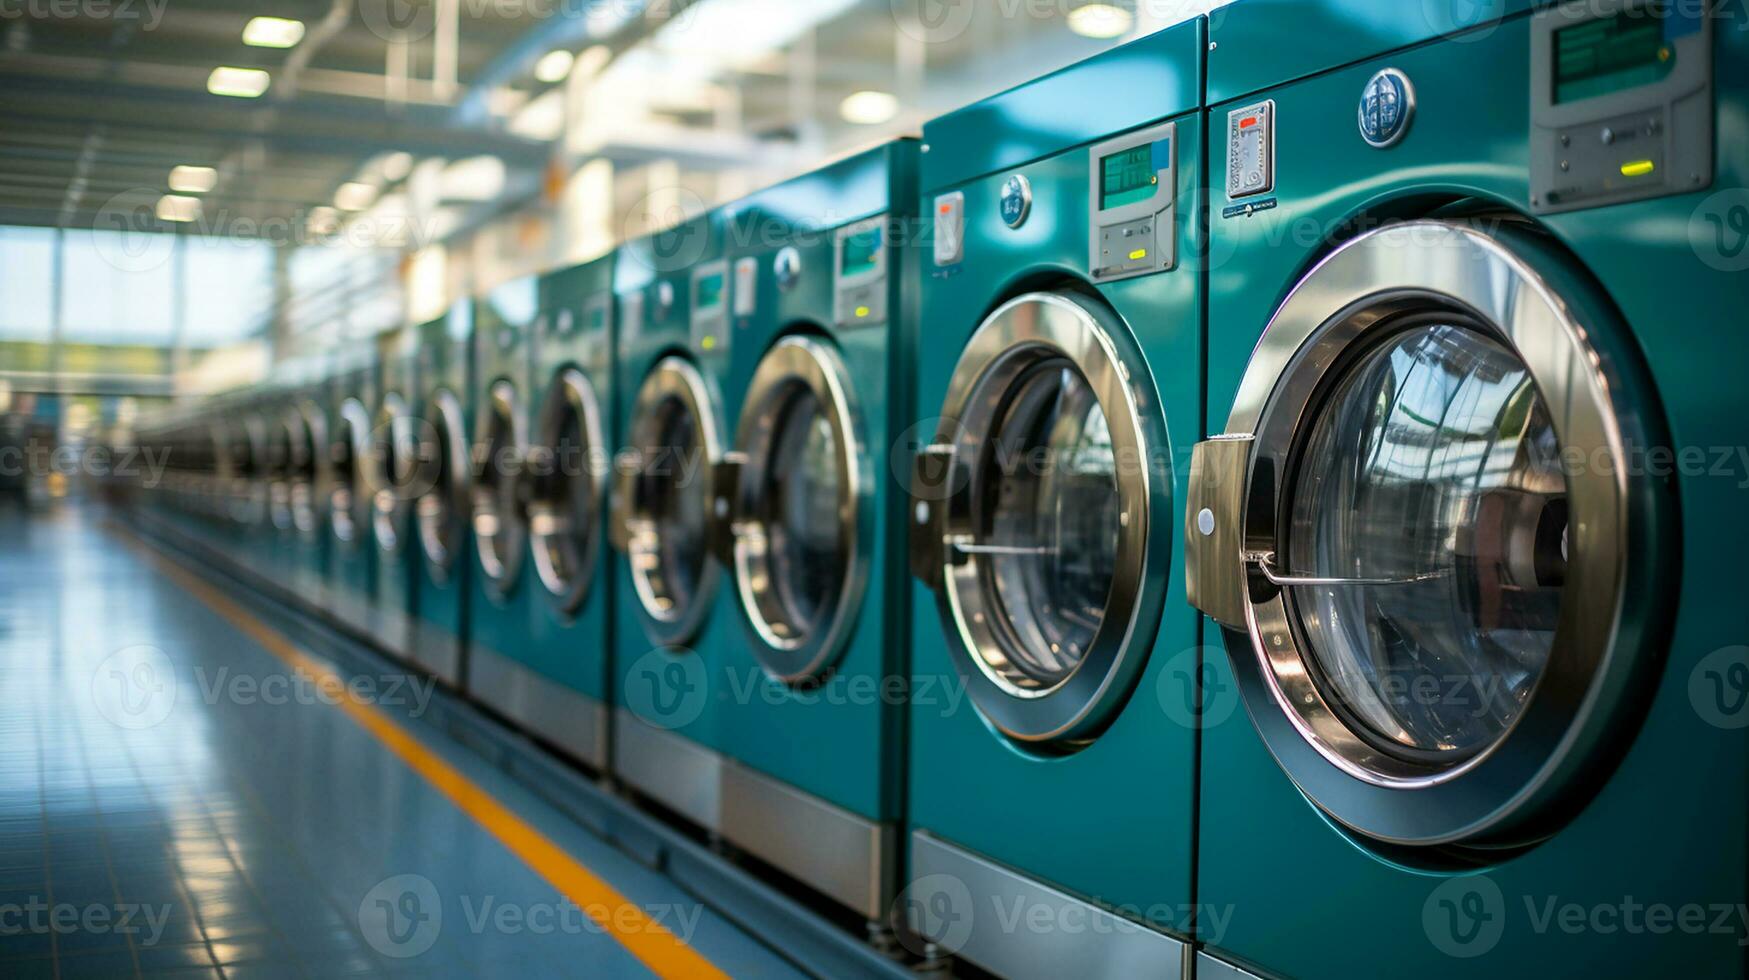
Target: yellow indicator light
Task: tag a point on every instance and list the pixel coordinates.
(708, 343)
(861, 312)
(1637, 168)
(1138, 255)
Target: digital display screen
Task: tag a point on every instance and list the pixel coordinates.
(1611, 54)
(862, 253)
(710, 292)
(1127, 177)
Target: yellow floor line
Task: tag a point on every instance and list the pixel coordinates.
(665, 954)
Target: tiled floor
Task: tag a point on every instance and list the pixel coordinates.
(163, 814)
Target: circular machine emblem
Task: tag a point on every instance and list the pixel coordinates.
(1016, 200)
(787, 267)
(1387, 106)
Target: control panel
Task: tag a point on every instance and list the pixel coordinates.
(1251, 150)
(1132, 204)
(859, 273)
(1621, 102)
(710, 306)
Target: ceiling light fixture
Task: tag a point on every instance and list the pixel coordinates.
(355, 196)
(193, 180)
(397, 165)
(1100, 20)
(237, 83)
(869, 108)
(273, 32)
(554, 66)
(177, 208)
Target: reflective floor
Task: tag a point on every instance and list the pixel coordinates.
(177, 800)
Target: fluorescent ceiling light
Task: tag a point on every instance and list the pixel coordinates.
(193, 180)
(354, 196)
(473, 179)
(323, 221)
(554, 66)
(1100, 20)
(238, 83)
(176, 207)
(397, 165)
(869, 108)
(273, 32)
(542, 119)
(731, 33)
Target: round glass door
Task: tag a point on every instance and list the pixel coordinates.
(499, 529)
(668, 523)
(282, 469)
(349, 458)
(245, 472)
(1433, 590)
(394, 450)
(797, 508)
(1047, 541)
(567, 464)
(443, 460)
(305, 431)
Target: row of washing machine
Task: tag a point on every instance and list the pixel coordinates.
(1260, 500)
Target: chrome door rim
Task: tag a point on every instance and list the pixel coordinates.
(1351, 297)
(306, 493)
(500, 529)
(248, 492)
(349, 506)
(389, 504)
(674, 377)
(570, 391)
(807, 363)
(1016, 335)
(439, 532)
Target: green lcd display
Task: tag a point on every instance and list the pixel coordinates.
(1127, 177)
(710, 292)
(1611, 54)
(862, 253)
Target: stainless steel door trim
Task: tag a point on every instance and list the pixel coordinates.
(570, 721)
(249, 490)
(308, 485)
(570, 391)
(845, 856)
(349, 506)
(1211, 968)
(394, 449)
(968, 905)
(796, 361)
(1352, 297)
(673, 378)
(673, 770)
(1017, 335)
(440, 507)
(496, 516)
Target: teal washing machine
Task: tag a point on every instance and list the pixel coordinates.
(502, 593)
(297, 440)
(1467, 532)
(245, 471)
(674, 627)
(442, 486)
(393, 474)
(351, 553)
(562, 695)
(1052, 736)
(823, 314)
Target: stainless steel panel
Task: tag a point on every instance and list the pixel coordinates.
(678, 773)
(846, 856)
(573, 722)
(987, 914)
(438, 651)
(1209, 968)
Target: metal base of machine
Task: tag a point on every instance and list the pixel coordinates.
(439, 651)
(1210, 968)
(674, 771)
(985, 913)
(848, 857)
(573, 723)
(352, 613)
(391, 631)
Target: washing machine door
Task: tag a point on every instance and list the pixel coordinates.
(1033, 517)
(795, 492)
(443, 482)
(247, 458)
(1418, 530)
(349, 459)
(568, 465)
(393, 470)
(306, 429)
(665, 526)
(499, 519)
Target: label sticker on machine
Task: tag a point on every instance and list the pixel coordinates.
(1251, 150)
